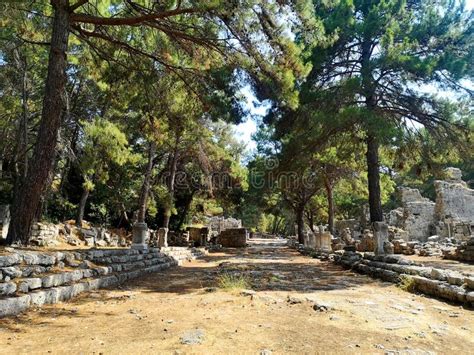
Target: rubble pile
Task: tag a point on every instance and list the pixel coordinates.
(420, 226)
(463, 252)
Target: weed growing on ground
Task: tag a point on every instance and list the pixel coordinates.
(407, 283)
(230, 282)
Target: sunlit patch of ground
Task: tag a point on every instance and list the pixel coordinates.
(182, 310)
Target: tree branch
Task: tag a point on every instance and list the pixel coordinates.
(77, 5)
(131, 21)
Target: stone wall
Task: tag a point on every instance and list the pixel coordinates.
(450, 285)
(233, 238)
(44, 234)
(454, 200)
(416, 216)
(31, 278)
(451, 216)
(219, 224)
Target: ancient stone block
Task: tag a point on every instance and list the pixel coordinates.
(454, 200)
(12, 272)
(9, 260)
(14, 305)
(7, 288)
(233, 238)
(162, 234)
(30, 284)
(140, 235)
(31, 258)
(381, 236)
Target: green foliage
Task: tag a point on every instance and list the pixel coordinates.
(104, 144)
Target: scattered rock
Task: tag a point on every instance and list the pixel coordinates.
(320, 307)
(247, 293)
(193, 337)
(294, 300)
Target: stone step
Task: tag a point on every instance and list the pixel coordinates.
(14, 305)
(446, 284)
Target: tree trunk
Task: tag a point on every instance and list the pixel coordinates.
(300, 223)
(277, 227)
(375, 203)
(82, 207)
(27, 201)
(187, 206)
(124, 220)
(173, 166)
(20, 166)
(330, 198)
(142, 204)
(310, 218)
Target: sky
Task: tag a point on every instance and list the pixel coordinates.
(244, 131)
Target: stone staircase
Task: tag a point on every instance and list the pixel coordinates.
(31, 278)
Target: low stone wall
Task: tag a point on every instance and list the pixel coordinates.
(451, 285)
(233, 238)
(446, 284)
(30, 278)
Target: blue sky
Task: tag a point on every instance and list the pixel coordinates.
(244, 131)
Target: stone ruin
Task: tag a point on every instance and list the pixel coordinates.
(450, 216)
(233, 238)
(31, 278)
(420, 225)
(319, 240)
(45, 234)
(199, 236)
(416, 216)
(218, 224)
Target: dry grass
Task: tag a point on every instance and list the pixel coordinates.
(232, 282)
(407, 284)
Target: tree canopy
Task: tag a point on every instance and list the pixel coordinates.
(123, 111)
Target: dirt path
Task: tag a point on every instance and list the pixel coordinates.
(160, 312)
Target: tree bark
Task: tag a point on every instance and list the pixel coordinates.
(82, 207)
(173, 166)
(300, 223)
(27, 201)
(310, 218)
(187, 206)
(330, 198)
(124, 220)
(20, 167)
(142, 204)
(375, 203)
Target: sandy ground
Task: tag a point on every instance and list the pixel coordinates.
(158, 313)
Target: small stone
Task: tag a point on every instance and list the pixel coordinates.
(294, 300)
(247, 293)
(265, 352)
(320, 307)
(193, 337)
